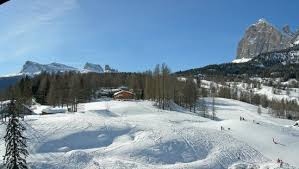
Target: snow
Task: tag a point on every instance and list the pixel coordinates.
(11, 75)
(268, 91)
(51, 110)
(136, 134)
(242, 60)
(296, 41)
(289, 82)
(262, 20)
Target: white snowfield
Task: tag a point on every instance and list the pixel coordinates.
(242, 60)
(135, 134)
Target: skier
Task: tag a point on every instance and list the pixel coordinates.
(222, 128)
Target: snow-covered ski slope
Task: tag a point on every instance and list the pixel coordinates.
(135, 134)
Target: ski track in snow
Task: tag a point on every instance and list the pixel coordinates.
(135, 134)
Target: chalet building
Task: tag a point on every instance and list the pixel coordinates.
(123, 95)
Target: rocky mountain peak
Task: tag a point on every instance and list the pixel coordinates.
(262, 21)
(90, 67)
(32, 68)
(108, 69)
(262, 37)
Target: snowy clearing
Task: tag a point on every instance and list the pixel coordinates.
(135, 134)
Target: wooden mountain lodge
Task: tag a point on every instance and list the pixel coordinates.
(124, 95)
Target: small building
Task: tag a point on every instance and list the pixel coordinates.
(53, 111)
(123, 95)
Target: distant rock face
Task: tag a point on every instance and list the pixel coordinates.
(32, 68)
(262, 37)
(108, 69)
(90, 67)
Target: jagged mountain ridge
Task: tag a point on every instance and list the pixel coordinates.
(32, 68)
(108, 69)
(263, 37)
(90, 67)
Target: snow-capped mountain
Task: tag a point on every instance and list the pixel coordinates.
(33, 68)
(90, 67)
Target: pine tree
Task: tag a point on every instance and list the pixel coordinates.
(15, 142)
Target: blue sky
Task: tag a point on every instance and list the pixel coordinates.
(131, 35)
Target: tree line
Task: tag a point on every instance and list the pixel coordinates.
(70, 88)
(159, 85)
(280, 108)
